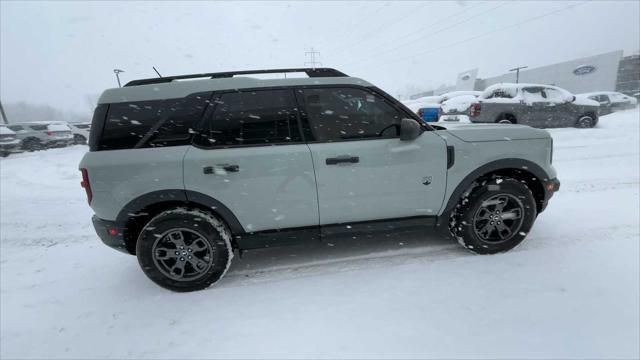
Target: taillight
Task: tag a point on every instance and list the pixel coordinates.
(86, 185)
(474, 109)
(50, 133)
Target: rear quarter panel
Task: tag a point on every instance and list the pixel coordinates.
(119, 176)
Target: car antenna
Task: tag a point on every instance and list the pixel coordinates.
(154, 69)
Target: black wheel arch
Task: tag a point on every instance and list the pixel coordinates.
(507, 115)
(523, 170)
(135, 214)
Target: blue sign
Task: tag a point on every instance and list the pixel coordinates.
(584, 70)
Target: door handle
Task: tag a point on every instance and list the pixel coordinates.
(226, 167)
(343, 159)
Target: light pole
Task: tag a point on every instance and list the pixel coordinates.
(517, 70)
(117, 72)
(4, 116)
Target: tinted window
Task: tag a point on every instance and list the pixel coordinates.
(38, 127)
(152, 123)
(15, 127)
(81, 126)
(252, 118)
(349, 113)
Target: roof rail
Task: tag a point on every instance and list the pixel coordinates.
(311, 72)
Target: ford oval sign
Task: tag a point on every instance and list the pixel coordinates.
(584, 70)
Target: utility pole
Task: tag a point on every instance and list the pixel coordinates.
(117, 72)
(517, 70)
(4, 115)
(312, 55)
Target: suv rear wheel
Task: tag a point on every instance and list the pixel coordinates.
(494, 217)
(32, 144)
(585, 122)
(506, 119)
(184, 250)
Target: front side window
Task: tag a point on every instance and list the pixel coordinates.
(533, 95)
(555, 95)
(337, 114)
(38, 127)
(15, 127)
(262, 117)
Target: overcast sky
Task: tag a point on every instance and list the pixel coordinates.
(57, 53)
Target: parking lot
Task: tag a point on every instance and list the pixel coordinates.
(570, 290)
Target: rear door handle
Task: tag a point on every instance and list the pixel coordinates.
(225, 167)
(343, 159)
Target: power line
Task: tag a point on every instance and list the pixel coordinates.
(431, 25)
(366, 37)
(364, 18)
(485, 34)
(433, 33)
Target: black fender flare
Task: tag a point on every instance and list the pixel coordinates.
(502, 164)
(186, 197)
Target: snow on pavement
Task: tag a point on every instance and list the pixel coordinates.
(571, 290)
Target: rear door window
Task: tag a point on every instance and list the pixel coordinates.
(263, 117)
(38, 127)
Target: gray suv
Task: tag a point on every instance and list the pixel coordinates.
(182, 173)
(542, 106)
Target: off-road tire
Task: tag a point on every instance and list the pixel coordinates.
(213, 234)
(464, 221)
(32, 144)
(79, 139)
(585, 122)
(506, 119)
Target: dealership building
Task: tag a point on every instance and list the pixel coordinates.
(611, 71)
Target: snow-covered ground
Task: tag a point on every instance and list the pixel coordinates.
(571, 290)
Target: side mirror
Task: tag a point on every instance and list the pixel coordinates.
(409, 129)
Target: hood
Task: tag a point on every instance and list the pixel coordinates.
(493, 132)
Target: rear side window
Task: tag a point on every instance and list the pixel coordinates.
(264, 117)
(82, 126)
(337, 114)
(153, 123)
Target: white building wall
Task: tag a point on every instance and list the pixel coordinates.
(602, 78)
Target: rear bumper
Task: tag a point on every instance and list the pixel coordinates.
(104, 228)
(550, 187)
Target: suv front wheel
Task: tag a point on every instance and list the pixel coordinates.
(184, 249)
(494, 217)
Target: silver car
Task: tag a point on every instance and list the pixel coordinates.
(42, 135)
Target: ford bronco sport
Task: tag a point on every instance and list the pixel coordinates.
(182, 173)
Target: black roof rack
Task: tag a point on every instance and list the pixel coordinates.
(311, 72)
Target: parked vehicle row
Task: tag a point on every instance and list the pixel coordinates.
(33, 136)
(542, 106)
